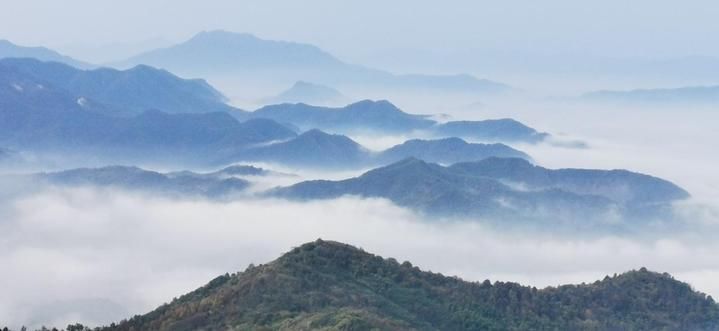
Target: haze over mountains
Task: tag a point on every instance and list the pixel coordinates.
(509, 190)
(10, 50)
(382, 117)
(124, 183)
(329, 285)
(309, 93)
(666, 97)
(212, 53)
(218, 184)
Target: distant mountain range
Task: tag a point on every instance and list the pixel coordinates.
(382, 117)
(369, 116)
(10, 50)
(309, 93)
(317, 149)
(225, 53)
(507, 189)
(126, 92)
(218, 184)
(327, 285)
(48, 115)
(667, 96)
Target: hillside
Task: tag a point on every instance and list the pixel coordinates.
(327, 285)
(498, 189)
(125, 92)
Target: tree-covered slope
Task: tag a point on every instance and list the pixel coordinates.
(332, 286)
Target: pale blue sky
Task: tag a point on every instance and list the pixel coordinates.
(361, 29)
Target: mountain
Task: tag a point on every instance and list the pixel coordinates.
(490, 130)
(309, 93)
(619, 185)
(38, 116)
(447, 151)
(383, 117)
(10, 50)
(124, 92)
(215, 53)
(317, 149)
(326, 285)
(499, 190)
(363, 116)
(218, 184)
(665, 96)
(313, 148)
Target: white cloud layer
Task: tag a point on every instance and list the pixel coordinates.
(97, 256)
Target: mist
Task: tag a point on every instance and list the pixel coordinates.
(66, 252)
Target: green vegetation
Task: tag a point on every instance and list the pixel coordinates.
(331, 286)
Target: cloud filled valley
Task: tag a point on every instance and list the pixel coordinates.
(130, 252)
(122, 188)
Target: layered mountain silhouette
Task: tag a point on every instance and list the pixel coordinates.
(507, 189)
(125, 92)
(665, 96)
(226, 53)
(369, 116)
(493, 130)
(317, 149)
(218, 184)
(11, 50)
(327, 285)
(38, 115)
(309, 93)
(382, 117)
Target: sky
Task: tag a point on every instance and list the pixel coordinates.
(366, 31)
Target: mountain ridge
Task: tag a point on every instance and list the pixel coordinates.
(221, 52)
(330, 285)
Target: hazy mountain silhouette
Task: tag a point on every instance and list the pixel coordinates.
(221, 53)
(309, 93)
(382, 117)
(218, 184)
(317, 149)
(658, 97)
(507, 189)
(10, 50)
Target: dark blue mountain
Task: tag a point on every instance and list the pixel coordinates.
(37, 115)
(369, 116)
(10, 50)
(124, 92)
(489, 130)
(223, 53)
(595, 198)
